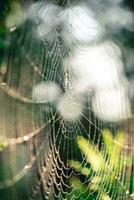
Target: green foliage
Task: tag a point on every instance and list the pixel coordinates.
(103, 174)
(3, 143)
(11, 19)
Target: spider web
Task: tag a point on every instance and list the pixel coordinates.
(39, 141)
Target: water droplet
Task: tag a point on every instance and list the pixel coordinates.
(3, 84)
(26, 138)
(27, 167)
(127, 192)
(44, 169)
(13, 28)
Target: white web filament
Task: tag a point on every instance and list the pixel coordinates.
(65, 79)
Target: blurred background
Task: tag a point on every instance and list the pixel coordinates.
(66, 132)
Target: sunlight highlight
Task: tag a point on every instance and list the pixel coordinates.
(79, 25)
(111, 104)
(70, 107)
(45, 92)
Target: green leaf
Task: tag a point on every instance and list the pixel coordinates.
(114, 146)
(79, 168)
(93, 156)
(3, 143)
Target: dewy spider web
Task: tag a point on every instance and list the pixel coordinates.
(38, 141)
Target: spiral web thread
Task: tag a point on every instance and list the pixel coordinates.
(39, 143)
